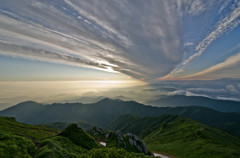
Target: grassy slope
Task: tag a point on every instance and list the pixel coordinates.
(19, 140)
(181, 137)
(140, 126)
(35, 133)
(15, 146)
(79, 137)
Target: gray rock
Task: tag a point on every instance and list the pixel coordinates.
(124, 141)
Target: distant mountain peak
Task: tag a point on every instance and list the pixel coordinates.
(109, 100)
(28, 102)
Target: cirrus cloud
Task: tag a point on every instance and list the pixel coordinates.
(102, 35)
(141, 39)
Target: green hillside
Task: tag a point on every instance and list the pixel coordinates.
(18, 140)
(79, 137)
(12, 146)
(35, 133)
(21, 140)
(179, 136)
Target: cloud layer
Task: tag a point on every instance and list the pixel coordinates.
(142, 39)
(138, 39)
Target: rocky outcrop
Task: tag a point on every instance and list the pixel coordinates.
(117, 139)
(98, 133)
(138, 143)
(129, 142)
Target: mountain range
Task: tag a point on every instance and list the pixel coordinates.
(104, 111)
(183, 100)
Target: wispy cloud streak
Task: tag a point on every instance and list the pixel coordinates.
(226, 24)
(216, 70)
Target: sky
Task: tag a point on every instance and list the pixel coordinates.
(119, 43)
